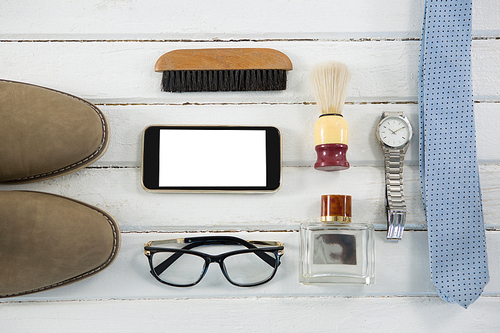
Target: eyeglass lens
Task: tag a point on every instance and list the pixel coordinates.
(187, 269)
(249, 268)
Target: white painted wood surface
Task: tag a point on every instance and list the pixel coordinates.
(118, 191)
(105, 50)
(401, 270)
(225, 19)
(383, 71)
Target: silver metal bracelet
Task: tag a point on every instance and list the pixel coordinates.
(395, 203)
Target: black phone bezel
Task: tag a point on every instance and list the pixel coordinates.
(151, 154)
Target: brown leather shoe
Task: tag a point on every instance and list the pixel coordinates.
(47, 241)
(46, 133)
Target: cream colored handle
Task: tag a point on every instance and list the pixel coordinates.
(331, 128)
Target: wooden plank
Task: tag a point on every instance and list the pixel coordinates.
(296, 124)
(402, 269)
(118, 191)
(123, 72)
(262, 314)
(98, 19)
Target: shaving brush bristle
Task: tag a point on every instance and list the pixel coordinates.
(330, 82)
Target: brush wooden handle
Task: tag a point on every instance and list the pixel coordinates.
(223, 59)
(331, 128)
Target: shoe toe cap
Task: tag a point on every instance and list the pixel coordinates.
(47, 241)
(45, 133)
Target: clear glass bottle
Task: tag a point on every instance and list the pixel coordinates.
(336, 250)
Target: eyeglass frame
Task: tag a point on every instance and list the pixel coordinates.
(269, 246)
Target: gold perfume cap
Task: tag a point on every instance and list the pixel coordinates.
(336, 208)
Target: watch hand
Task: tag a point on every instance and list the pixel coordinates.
(392, 131)
(398, 130)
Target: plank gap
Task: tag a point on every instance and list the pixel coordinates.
(402, 102)
(232, 40)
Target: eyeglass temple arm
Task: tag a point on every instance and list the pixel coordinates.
(229, 240)
(199, 241)
(226, 240)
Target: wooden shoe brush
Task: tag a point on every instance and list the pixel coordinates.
(230, 69)
(331, 132)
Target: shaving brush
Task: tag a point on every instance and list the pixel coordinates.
(331, 132)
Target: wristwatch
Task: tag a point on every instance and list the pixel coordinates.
(394, 133)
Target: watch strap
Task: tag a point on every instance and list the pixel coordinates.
(395, 202)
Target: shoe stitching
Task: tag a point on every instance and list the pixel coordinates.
(84, 275)
(96, 152)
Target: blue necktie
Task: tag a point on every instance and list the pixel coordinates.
(448, 164)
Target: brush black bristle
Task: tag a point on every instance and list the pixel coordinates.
(224, 80)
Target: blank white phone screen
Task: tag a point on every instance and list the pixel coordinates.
(203, 158)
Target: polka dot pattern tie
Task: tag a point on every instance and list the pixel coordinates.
(448, 164)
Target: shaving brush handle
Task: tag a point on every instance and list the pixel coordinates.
(331, 128)
(331, 136)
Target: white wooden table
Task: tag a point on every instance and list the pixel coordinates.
(104, 51)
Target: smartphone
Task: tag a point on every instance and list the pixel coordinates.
(211, 159)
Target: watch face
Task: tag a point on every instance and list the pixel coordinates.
(394, 132)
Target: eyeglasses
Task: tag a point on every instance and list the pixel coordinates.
(246, 265)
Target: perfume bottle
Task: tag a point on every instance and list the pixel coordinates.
(336, 250)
